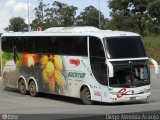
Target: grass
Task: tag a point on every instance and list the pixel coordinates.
(152, 45)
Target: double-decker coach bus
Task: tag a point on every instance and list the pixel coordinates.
(82, 62)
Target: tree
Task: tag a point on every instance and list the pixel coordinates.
(63, 14)
(57, 14)
(154, 11)
(89, 16)
(121, 22)
(16, 24)
(39, 11)
(134, 12)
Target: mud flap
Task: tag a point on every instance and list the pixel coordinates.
(156, 66)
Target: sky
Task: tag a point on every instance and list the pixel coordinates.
(18, 8)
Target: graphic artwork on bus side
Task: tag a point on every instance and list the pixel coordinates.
(48, 69)
(52, 72)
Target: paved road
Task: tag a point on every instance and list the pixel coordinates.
(13, 102)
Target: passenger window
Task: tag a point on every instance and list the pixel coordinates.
(80, 46)
(28, 44)
(66, 46)
(40, 44)
(53, 45)
(6, 44)
(18, 44)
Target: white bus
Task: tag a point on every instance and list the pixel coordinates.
(82, 62)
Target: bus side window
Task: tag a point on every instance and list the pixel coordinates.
(80, 46)
(18, 44)
(7, 44)
(40, 44)
(97, 60)
(53, 45)
(66, 45)
(28, 44)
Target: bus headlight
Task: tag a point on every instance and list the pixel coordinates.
(147, 90)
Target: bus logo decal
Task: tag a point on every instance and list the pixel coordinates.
(76, 75)
(75, 62)
(97, 93)
(124, 91)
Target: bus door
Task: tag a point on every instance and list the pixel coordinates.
(98, 66)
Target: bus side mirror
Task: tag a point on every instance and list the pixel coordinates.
(156, 66)
(110, 68)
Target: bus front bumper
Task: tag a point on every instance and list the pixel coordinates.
(129, 98)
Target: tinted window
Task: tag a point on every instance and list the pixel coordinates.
(7, 44)
(29, 44)
(125, 47)
(40, 44)
(53, 45)
(97, 60)
(18, 44)
(80, 46)
(66, 46)
(96, 47)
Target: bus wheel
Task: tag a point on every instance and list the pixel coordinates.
(22, 87)
(86, 96)
(32, 89)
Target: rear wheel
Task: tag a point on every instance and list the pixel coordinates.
(22, 87)
(32, 89)
(86, 96)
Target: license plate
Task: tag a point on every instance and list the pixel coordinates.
(132, 98)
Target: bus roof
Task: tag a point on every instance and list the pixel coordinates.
(73, 31)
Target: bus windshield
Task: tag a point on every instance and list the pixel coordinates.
(130, 74)
(124, 47)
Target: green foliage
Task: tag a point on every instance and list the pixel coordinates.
(43, 25)
(89, 16)
(55, 15)
(152, 44)
(7, 56)
(39, 11)
(64, 14)
(16, 24)
(132, 14)
(121, 22)
(154, 12)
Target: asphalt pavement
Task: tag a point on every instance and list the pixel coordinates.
(11, 102)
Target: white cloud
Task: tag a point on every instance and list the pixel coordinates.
(5, 13)
(12, 8)
(20, 6)
(17, 6)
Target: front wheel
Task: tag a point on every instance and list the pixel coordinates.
(86, 96)
(32, 89)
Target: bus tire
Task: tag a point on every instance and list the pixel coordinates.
(32, 89)
(22, 87)
(86, 96)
